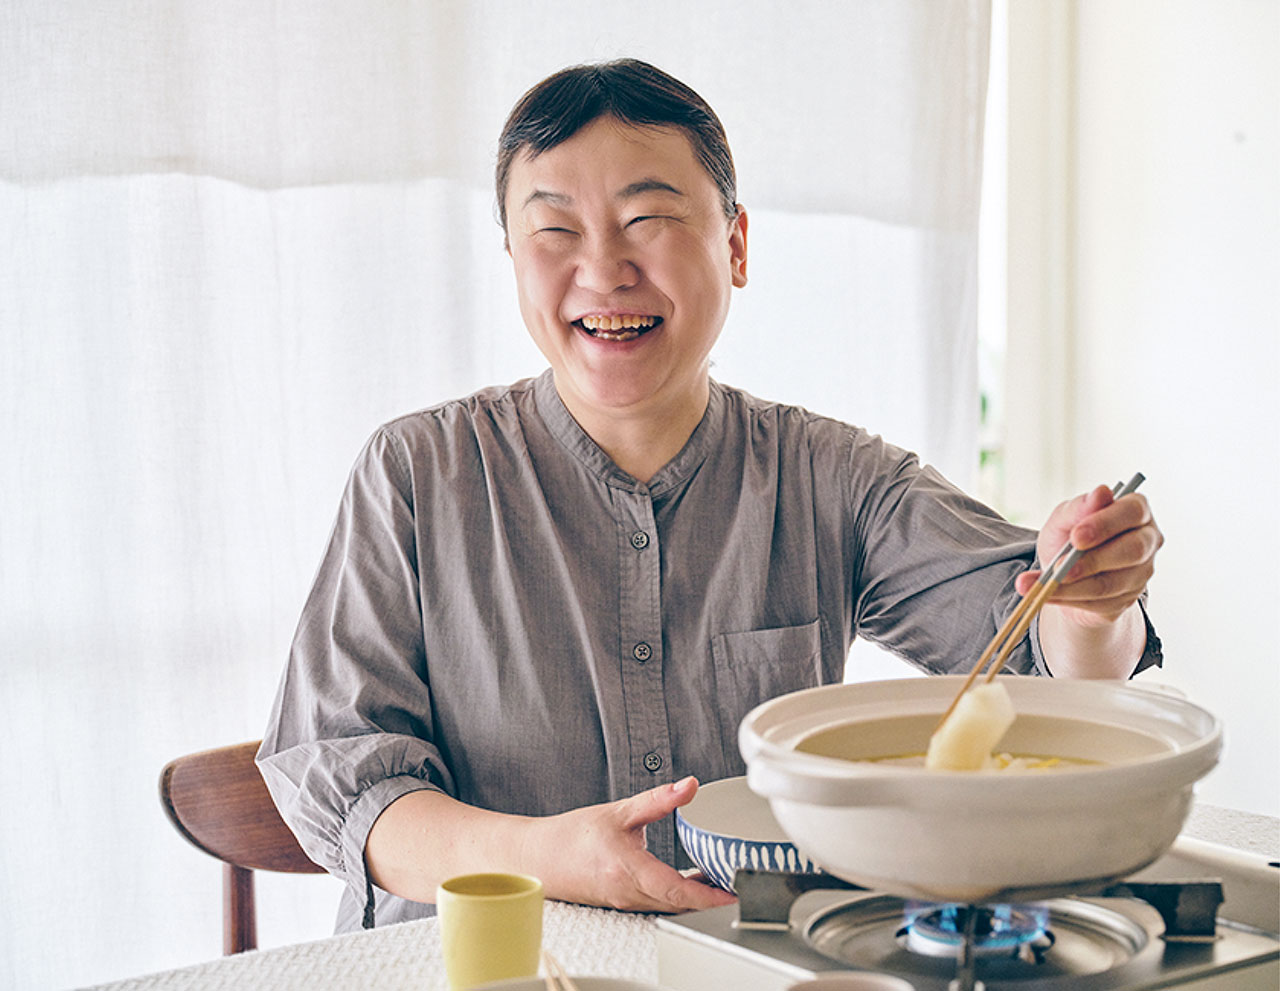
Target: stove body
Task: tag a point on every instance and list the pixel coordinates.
(1111, 941)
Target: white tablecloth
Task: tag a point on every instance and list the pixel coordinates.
(585, 940)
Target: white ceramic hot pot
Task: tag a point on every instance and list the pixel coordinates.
(980, 836)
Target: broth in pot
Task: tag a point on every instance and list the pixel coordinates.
(1031, 742)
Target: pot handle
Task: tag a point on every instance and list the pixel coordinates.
(771, 780)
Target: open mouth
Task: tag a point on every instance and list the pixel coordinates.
(624, 327)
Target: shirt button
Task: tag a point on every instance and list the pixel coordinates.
(639, 540)
(652, 762)
(642, 652)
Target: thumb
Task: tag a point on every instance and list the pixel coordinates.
(1058, 529)
(658, 803)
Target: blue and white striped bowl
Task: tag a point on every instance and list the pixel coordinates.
(728, 826)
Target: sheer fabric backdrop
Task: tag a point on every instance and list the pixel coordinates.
(235, 237)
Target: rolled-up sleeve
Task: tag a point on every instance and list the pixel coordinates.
(937, 568)
(350, 731)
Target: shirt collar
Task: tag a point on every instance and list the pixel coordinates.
(579, 443)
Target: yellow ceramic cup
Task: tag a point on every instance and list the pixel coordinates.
(490, 927)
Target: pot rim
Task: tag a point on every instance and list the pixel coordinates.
(1191, 745)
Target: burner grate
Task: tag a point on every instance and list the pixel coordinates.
(1151, 931)
(1077, 939)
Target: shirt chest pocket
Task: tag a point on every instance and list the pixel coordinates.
(755, 666)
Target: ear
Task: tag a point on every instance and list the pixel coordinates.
(738, 248)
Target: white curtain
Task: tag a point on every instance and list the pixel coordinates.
(236, 236)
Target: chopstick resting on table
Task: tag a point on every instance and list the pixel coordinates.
(1019, 621)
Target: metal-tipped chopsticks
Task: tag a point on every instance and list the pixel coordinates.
(1019, 621)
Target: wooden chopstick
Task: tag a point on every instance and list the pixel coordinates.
(555, 976)
(1015, 627)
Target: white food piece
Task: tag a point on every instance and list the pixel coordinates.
(965, 740)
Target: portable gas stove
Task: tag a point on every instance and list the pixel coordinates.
(1203, 917)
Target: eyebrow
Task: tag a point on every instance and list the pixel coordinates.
(630, 191)
(546, 196)
(647, 186)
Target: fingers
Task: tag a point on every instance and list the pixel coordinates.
(1120, 555)
(657, 803)
(1118, 539)
(638, 881)
(1023, 582)
(1120, 545)
(1132, 550)
(1110, 520)
(1096, 500)
(1109, 592)
(1069, 514)
(1114, 536)
(660, 888)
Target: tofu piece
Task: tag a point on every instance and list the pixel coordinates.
(965, 741)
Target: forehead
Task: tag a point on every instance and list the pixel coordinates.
(606, 157)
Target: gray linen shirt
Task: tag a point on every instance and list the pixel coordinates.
(506, 616)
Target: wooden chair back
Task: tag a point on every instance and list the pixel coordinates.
(218, 801)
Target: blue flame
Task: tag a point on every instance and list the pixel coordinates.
(999, 926)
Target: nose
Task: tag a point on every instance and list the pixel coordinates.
(604, 266)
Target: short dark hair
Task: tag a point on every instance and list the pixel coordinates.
(634, 92)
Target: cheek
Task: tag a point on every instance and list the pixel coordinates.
(539, 283)
(702, 253)
(701, 276)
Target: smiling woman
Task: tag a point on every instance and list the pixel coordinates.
(642, 244)
(555, 600)
(238, 236)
